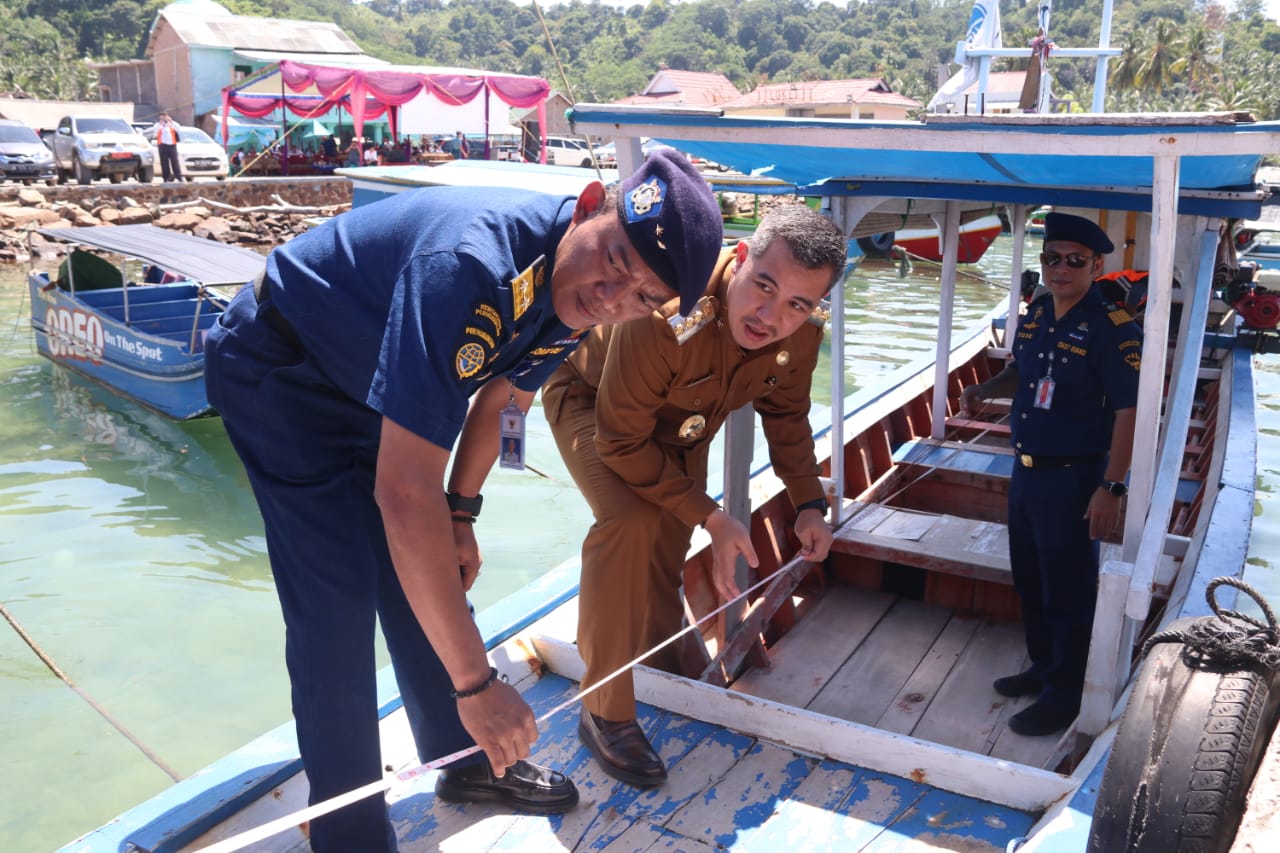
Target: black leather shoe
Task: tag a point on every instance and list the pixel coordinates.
(622, 750)
(1023, 684)
(525, 787)
(1043, 717)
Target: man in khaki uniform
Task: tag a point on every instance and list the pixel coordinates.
(633, 411)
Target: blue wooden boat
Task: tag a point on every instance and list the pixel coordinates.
(847, 706)
(137, 327)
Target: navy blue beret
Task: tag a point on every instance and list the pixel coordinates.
(1076, 229)
(672, 219)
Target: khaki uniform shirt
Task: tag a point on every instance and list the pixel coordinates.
(650, 389)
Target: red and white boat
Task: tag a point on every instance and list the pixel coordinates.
(975, 237)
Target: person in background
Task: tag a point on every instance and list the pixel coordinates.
(329, 147)
(354, 155)
(634, 410)
(345, 377)
(167, 144)
(1074, 383)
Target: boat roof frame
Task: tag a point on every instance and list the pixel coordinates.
(208, 262)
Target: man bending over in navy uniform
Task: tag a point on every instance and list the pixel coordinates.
(343, 377)
(1074, 384)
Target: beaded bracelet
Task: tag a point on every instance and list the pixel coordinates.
(488, 682)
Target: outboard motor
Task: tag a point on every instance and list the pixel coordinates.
(1257, 305)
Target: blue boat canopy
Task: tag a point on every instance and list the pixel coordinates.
(206, 261)
(1070, 159)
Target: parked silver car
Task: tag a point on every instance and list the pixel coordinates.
(89, 147)
(23, 157)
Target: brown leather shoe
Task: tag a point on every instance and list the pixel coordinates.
(622, 750)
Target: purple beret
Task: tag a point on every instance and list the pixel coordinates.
(1076, 229)
(674, 223)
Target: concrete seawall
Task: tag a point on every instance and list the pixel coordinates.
(241, 192)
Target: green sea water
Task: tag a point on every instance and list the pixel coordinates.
(131, 553)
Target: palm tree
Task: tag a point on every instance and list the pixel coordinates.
(1199, 62)
(1124, 71)
(1155, 71)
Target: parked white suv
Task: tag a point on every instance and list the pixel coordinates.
(88, 147)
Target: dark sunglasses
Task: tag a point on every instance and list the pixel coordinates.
(1076, 262)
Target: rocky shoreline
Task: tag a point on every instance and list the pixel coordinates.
(259, 227)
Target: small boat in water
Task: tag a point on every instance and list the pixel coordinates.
(976, 236)
(137, 326)
(848, 706)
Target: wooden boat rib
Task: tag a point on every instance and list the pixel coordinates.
(848, 706)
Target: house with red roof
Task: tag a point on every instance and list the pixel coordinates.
(870, 99)
(686, 89)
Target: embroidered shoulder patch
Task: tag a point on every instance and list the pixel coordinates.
(1120, 316)
(469, 360)
(525, 285)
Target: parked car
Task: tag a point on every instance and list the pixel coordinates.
(198, 154)
(568, 151)
(23, 157)
(89, 147)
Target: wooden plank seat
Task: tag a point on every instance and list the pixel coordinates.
(931, 541)
(959, 425)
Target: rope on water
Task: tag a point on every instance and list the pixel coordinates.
(1229, 638)
(102, 712)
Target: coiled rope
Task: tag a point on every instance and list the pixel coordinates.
(1228, 638)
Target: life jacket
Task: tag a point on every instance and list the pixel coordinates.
(1126, 288)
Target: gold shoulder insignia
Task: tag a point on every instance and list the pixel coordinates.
(1120, 316)
(525, 284)
(821, 314)
(701, 315)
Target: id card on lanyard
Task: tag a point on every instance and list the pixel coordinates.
(511, 435)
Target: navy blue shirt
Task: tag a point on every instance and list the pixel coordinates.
(410, 304)
(1093, 353)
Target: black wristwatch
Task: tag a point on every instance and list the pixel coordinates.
(1117, 489)
(457, 503)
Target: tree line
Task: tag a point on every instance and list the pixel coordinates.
(1175, 54)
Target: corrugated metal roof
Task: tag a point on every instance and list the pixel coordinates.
(273, 34)
(46, 114)
(346, 60)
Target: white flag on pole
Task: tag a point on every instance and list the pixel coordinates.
(983, 31)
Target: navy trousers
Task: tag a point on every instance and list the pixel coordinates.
(1055, 571)
(310, 453)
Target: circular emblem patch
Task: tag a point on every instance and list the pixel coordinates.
(469, 360)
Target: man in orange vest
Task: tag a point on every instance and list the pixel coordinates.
(167, 143)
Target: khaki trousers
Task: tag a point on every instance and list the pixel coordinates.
(629, 598)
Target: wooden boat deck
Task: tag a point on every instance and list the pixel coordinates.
(725, 790)
(904, 666)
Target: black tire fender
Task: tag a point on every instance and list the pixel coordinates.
(877, 245)
(1186, 751)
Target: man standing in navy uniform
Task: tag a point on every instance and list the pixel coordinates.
(343, 378)
(1074, 384)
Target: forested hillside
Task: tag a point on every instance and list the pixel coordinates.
(1178, 54)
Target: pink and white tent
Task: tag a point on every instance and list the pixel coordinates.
(308, 90)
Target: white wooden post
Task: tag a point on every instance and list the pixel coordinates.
(949, 230)
(1105, 649)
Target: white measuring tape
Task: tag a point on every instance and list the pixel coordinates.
(266, 830)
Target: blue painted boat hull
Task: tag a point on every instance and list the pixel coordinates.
(150, 359)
